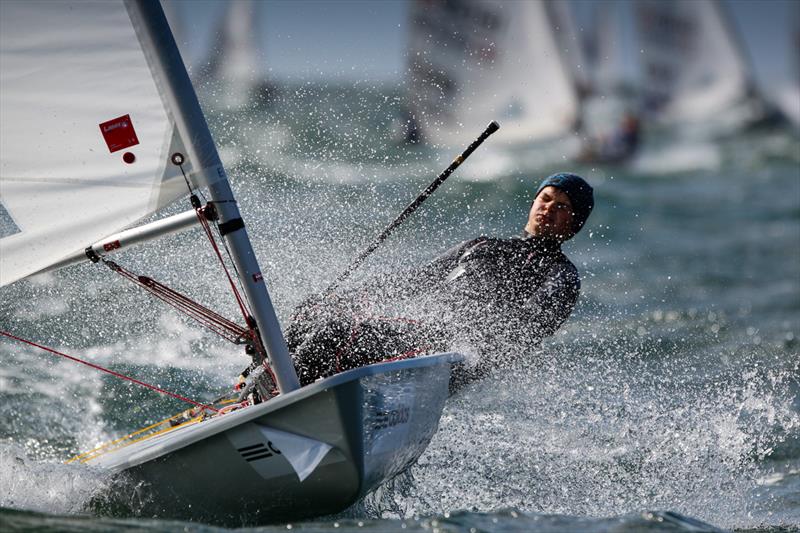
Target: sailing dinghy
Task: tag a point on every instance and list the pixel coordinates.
(695, 69)
(101, 127)
(471, 61)
(234, 73)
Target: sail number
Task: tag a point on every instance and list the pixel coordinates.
(392, 417)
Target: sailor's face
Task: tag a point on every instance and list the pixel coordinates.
(551, 215)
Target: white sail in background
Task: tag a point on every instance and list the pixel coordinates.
(606, 53)
(85, 138)
(609, 108)
(788, 96)
(235, 65)
(694, 67)
(570, 41)
(474, 61)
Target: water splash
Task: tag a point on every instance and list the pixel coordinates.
(608, 433)
(49, 487)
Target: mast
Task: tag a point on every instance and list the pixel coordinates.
(167, 65)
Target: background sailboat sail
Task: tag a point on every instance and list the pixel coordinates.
(69, 122)
(235, 66)
(570, 42)
(788, 97)
(605, 50)
(471, 62)
(693, 66)
(610, 121)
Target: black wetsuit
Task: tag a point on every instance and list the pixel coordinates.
(489, 293)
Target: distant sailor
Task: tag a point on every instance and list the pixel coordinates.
(617, 147)
(487, 294)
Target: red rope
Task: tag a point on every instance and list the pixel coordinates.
(213, 321)
(207, 228)
(106, 370)
(242, 306)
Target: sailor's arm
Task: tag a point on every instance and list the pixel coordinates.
(447, 261)
(431, 277)
(409, 283)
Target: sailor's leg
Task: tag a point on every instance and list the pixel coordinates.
(315, 356)
(384, 339)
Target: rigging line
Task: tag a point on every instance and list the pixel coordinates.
(129, 436)
(215, 322)
(206, 227)
(247, 315)
(178, 159)
(244, 304)
(108, 371)
(230, 257)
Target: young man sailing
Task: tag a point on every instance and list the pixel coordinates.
(484, 294)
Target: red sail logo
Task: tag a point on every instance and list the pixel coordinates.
(119, 133)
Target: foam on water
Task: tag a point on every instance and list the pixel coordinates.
(606, 433)
(49, 487)
(665, 161)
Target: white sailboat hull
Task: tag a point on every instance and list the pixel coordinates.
(311, 452)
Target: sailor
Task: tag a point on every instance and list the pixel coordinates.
(492, 296)
(616, 147)
(628, 135)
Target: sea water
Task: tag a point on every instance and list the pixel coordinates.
(669, 401)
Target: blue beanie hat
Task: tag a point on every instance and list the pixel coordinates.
(579, 192)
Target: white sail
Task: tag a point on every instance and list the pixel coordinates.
(570, 41)
(788, 95)
(69, 121)
(606, 51)
(694, 68)
(474, 61)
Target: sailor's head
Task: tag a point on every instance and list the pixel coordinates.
(561, 206)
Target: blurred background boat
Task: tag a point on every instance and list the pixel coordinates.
(788, 93)
(696, 73)
(233, 70)
(471, 61)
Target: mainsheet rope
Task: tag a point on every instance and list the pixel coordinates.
(108, 371)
